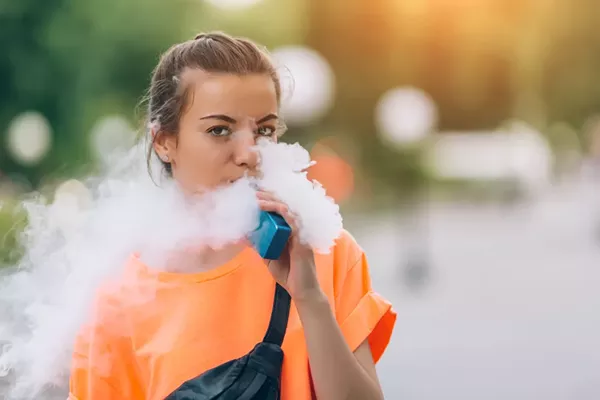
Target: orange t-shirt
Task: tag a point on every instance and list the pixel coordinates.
(155, 330)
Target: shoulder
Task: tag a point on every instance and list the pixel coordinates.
(346, 252)
(333, 268)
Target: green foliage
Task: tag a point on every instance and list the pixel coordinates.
(74, 61)
(399, 168)
(12, 223)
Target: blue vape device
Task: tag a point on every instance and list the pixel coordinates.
(271, 236)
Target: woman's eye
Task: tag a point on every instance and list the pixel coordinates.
(266, 131)
(219, 131)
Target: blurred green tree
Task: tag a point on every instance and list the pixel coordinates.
(12, 222)
(482, 64)
(74, 61)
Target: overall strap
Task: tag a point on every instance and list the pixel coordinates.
(279, 317)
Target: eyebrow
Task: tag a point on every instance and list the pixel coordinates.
(230, 120)
(267, 118)
(221, 117)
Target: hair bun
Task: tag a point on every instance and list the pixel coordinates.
(214, 35)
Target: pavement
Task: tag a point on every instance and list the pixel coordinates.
(511, 306)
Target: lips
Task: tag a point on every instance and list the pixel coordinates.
(251, 174)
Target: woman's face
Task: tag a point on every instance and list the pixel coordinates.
(225, 115)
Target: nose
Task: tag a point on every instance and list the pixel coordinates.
(245, 154)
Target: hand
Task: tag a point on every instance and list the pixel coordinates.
(295, 270)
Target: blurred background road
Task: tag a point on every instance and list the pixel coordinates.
(510, 306)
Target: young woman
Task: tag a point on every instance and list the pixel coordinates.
(210, 99)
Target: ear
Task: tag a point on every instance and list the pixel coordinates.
(165, 145)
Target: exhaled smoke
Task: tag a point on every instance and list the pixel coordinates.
(73, 247)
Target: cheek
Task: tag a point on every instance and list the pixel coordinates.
(200, 155)
(193, 147)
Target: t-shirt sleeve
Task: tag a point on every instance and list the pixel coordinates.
(103, 366)
(361, 312)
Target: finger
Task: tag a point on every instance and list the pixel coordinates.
(281, 209)
(264, 195)
(291, 220)
(273, 206)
